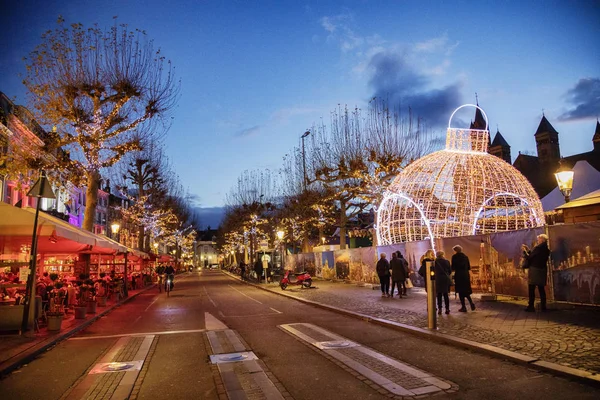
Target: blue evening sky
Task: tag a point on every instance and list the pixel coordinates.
(256, 74)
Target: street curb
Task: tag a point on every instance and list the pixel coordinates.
(518, 358)
(33, 352)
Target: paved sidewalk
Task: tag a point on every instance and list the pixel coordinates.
(17, 350)
(566, 336)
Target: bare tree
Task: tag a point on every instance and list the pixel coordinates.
(103, 89)
(358, 157)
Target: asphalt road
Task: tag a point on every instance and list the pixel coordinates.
(177, 366)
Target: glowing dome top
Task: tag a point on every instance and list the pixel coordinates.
(459, 191)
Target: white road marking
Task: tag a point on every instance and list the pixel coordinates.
(385, 371)
(278, 312)
(137, 319)
(209, 298)
(137, 334)
(150, 305)
(243, 294)
(212, 323)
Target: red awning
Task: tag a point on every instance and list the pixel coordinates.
(55, 236)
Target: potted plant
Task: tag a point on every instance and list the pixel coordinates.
(101, 290)
(56, 308)
(90, 296)
(81, 304)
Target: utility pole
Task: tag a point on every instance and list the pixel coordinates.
(305, 134)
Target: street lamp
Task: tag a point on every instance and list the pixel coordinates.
(305, 134)
(115, 230)
(42, 189)
(280, 234)
(564, 179)
(155, 247)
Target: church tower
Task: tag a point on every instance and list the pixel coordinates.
(546, 139)
(500, 148)
(596, 138)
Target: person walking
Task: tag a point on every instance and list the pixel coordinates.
(398, 267)
(462, 278)
(442, 281)
(537, 263)
(258, 268)
(383, 271)
(428, 256)
(406, 272)
(243, 270)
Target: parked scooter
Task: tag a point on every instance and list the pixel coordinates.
(299, 278)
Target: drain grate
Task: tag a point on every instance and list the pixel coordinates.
(232, 357)
(335, 344)
(102, 368)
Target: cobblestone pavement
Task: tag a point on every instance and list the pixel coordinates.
(566, 336)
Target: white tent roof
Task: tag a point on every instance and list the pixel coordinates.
(587, 200)
(585, 180)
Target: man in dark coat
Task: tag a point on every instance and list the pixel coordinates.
(442, 281)
(383, 271)
(537, 263)
(462, 278)
(258, 268)
(398, 267)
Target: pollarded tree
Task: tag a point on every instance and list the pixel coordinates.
(360, 156)
(103, 89)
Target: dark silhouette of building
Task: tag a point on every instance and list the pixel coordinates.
(500, 148)
(539, 169)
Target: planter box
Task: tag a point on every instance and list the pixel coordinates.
(91, 307)
(101, 301)
(54, 322)
(80, 312)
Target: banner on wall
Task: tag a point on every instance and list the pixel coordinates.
(576, 262)
(509, 278)
(327, 265)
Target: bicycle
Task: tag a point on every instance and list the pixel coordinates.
(169, 284)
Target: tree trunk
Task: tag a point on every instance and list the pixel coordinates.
(141, 238)
(91, 200)
(140, 184)
(343, 219)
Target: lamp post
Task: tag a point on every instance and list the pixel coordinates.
(305, 134)
(280, 234)
(155, 247)
(114, 227)
(564, 179)
(40, 190)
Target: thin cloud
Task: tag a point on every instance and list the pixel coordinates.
(585, 97)
(440, 45)
(394, 79)
(248, 131)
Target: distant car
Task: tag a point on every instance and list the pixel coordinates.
(214, 266)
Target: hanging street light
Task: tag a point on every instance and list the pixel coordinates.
(564, 179)
(42, 189)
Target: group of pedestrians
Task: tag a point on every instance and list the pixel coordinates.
(535, 261)
(397, 270)
(443, 269)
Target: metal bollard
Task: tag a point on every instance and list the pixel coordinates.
(430, 281)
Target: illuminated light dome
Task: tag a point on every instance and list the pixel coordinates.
(459, 191)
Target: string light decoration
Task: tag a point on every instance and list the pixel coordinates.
(459, 191)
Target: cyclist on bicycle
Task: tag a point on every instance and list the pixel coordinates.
(170, 273)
